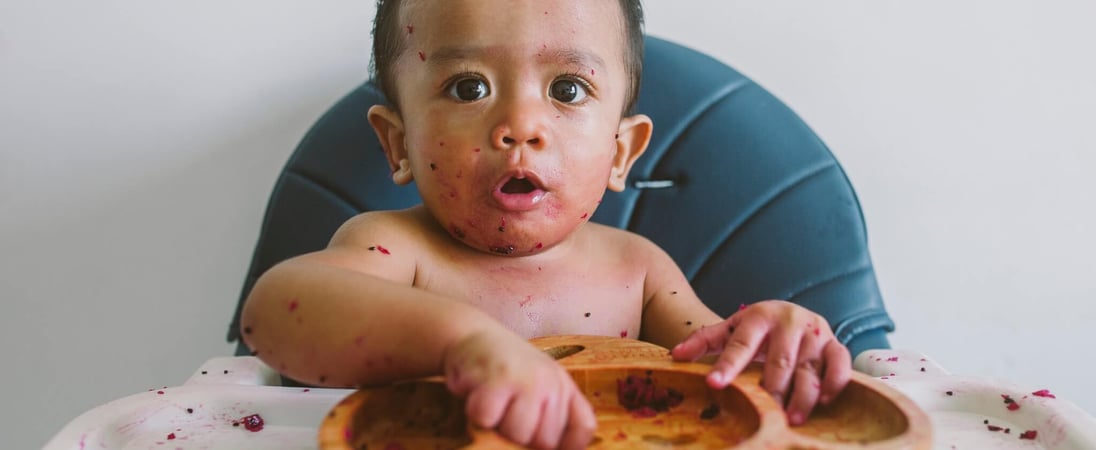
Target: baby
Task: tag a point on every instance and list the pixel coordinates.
(512, 118)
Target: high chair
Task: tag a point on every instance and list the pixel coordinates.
(734, 186)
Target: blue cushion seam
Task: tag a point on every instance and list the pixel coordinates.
(838, 277)
(330, 190)
(763, 203)
(852, 327)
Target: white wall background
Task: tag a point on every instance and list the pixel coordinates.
(139, 141)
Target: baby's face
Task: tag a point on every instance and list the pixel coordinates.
(510, 112)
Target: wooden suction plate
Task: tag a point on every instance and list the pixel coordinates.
(423, 414)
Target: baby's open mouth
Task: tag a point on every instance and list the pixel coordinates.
(518, 186)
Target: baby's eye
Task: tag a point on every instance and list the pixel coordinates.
(567, 90)
(469, 89)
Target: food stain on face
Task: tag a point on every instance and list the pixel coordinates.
(456, 232)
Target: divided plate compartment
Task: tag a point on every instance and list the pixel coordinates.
(423, 414)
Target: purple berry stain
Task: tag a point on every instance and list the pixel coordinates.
(456, 232)
(253, 423)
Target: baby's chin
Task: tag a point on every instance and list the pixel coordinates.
(510, 243)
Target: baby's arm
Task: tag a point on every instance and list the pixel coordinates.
(804, 362)
(349, 315)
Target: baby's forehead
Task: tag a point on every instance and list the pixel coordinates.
(460, 23)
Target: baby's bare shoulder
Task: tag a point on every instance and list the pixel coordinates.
(625, 244)
(378, 228)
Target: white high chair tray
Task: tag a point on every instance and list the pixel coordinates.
(208, 411)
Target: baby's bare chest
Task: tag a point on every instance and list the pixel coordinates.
(542, 301)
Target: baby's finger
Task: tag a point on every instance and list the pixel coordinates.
(553, 419)
(520, 421)
(486, 405)
(581, 423)
(780, 362)
(740, 348)
(805, 391)
(838, 370)
(705, 341)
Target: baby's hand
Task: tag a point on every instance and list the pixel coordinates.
(802, 356)
(519, 391)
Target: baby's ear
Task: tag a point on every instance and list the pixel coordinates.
(633, 135)
(389, 127)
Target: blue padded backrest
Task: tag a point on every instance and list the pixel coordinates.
(756, 206)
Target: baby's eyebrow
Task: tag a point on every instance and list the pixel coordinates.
(567, 56)
(576, 57)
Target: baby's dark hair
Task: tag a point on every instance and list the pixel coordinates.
(388, 44)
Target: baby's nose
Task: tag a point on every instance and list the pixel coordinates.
(506, 136)
(522, 126)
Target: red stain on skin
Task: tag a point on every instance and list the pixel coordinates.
(1029, 434)
(592, 72)
(422, 56)
(1043, 393)
(170, 436)
(253, 423)
(741, 306)
(477, 149)
(892, 359)
(502, 224)
(817, 331)
(384, 251)
(584, 215)
(623, 333)
(410, 29)
(539, 246)
(293, 305)
(456, 232)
